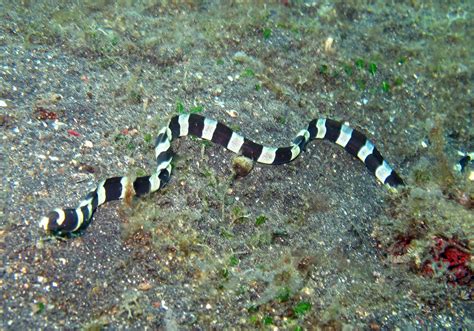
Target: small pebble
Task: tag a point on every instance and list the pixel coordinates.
(241, 166)
(57, 125)
(241, 57)
(328, 45)
(232, 113)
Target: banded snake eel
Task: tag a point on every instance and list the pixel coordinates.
(63, 221)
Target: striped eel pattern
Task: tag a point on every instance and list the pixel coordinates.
(63, 221)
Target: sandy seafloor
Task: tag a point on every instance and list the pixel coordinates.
(83, 88)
